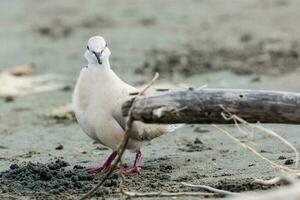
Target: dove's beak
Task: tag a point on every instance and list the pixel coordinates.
(98, 56)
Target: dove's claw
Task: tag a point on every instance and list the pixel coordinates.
(106, 164)
(136, 166)
(134, 169)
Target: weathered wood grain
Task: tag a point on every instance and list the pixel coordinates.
(205, 106)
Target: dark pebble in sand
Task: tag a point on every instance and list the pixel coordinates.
(281, 158)
(256, 79)
(9, 99)
(289, 162)
(168, 167)
(59, 147)
(14, 166)
(198, 141)
(246, 37)
(67, 88)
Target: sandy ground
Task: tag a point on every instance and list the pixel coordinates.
(224, 44)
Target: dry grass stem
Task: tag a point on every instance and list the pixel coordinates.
(166, 194)
(158, 194)
(238, 120)
(247, 147)
(211, 189)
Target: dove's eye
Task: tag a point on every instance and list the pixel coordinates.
(88, 48)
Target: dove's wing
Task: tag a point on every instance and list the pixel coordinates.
(146, 132)
(119, 119)
(141, 131)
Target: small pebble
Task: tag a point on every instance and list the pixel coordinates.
(59, 147)
(9, 99)
(281, 158)
(14, 166)
(198, 141)
(67, 88)
(246, 37)
(256, 79)
(289, 162)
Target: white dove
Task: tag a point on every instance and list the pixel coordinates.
(97, 99)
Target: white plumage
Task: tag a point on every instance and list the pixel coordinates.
(97, 99)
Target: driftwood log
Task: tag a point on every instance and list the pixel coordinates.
(206, 105)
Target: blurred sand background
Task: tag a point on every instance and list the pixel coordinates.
(224, 44)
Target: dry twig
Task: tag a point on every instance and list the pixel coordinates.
(211, 189)
(158, 194)
(286, 179)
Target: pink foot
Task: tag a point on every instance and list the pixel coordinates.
(136, 166)
(105, 166)
(135, 169)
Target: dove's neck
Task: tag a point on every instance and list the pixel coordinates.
(105, 64)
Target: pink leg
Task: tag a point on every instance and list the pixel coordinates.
(106, 164)
(136, 166)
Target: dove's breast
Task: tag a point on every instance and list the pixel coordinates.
(97, 100)
(81, 101)
(96, 95)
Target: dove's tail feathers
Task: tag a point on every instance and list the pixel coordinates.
(173, 127)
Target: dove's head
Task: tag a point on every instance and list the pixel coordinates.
(97, 51)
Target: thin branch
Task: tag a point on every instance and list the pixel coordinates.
(166, 194)
(211, 189)
(159, 194)
(285, 179)
(156, 76)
